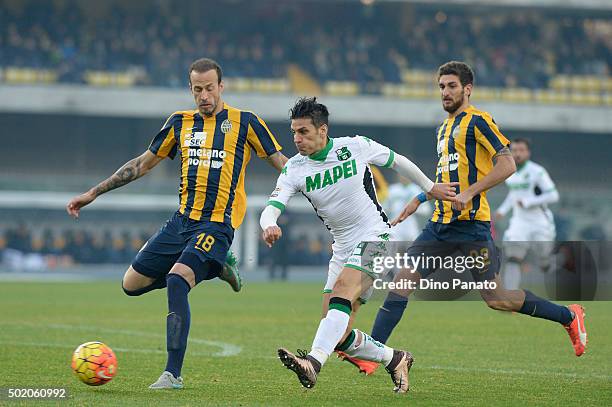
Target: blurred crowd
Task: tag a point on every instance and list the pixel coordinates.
(23, 249)
(330, 40)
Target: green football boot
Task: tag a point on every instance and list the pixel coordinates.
(230, 273)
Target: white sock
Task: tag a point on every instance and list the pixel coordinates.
(330, 331)
(366, 348)
(512, 276)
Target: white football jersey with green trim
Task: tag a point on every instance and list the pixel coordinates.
(525, 185)
(338, 183)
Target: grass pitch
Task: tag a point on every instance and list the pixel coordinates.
(465, 354)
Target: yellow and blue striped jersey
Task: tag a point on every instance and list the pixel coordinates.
(466, 145)
(214, 154)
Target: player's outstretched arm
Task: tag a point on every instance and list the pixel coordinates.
(408, 210)
(408, 169)
(277, 160)
(446, 191)
(503, 167)
(271, 231)
(133, 169)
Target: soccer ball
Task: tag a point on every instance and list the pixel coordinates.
(94, 363)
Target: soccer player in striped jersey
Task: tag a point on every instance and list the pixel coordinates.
(214, 143)
(472, 151)
(334, 174)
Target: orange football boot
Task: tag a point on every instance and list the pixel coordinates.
(576, 329)
(365, 366)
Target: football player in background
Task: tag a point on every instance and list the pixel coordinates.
(531, 190)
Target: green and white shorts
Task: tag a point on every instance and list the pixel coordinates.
(351, 258)
(368, 255)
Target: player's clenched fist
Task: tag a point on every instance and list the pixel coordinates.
(444, 191)
(271, 235)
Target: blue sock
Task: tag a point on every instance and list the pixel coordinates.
(541, 308)
(388, 316)
(177, 322)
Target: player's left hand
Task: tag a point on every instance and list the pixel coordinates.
(408, 210)
(462, 201)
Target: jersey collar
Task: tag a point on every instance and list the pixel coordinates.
(521, 166)
(321, 155)
(468, 109)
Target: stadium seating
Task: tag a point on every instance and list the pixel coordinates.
(344, 56)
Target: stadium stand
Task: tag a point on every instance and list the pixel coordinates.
(538, 55)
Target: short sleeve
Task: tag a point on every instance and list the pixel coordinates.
(285, 189)
(261, 138)
(164, 143)
(489, 136)
(375, 153)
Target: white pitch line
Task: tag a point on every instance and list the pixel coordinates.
(225, 349)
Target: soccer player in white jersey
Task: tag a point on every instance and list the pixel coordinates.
(531, 191)
(334, 175)
(399, 194)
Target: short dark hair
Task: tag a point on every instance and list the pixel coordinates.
(523, 140)
(461, 69)
(205, 65)
(309, 107)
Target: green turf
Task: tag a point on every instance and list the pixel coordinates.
(465, 353)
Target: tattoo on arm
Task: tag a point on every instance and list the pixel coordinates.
(124, 175)
(503, 151)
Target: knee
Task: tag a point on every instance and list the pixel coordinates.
(129, 286)
(341, 288)
(135, 285)
(185, 273)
